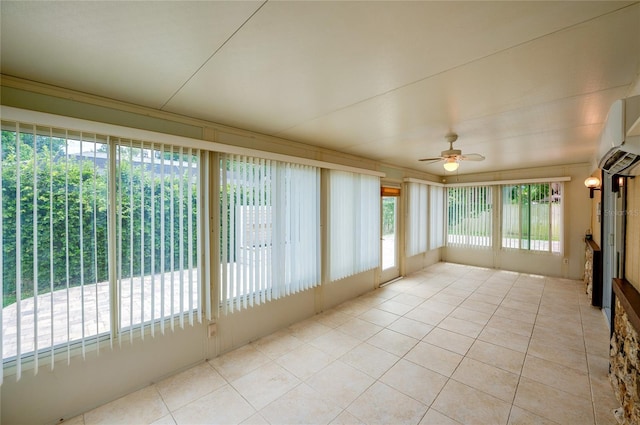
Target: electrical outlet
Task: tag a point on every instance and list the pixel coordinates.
(213, 328)
(565, 260)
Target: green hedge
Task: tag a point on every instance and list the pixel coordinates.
(66, 209)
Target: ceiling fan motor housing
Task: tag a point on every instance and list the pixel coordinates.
(451, 152)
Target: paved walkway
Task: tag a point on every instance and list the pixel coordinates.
(61, 314)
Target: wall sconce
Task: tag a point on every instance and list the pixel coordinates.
(617, 182)
(593, 183)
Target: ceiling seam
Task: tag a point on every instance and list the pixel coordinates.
(213, 54)
(550, 102)
(279, 132)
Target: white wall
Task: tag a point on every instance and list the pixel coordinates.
(68, 390)
(242, 327)
(420, 261)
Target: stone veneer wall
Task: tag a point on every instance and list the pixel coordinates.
(588, 271)
(625, 365)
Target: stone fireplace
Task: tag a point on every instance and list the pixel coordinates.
(625, 354)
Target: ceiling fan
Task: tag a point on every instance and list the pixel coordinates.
(452, 157)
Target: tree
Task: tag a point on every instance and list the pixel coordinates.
(388, 215)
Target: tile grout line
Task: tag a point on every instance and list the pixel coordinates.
(524, 360)
(403, 357)
(586, 354)
(477, 337)
(549, 288)
(450, 378)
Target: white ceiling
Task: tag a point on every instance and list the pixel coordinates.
(526, 84)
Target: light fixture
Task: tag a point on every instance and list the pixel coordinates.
(450, 164)
(593, 183)
(617, 182)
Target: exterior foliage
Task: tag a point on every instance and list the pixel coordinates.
(59, 221)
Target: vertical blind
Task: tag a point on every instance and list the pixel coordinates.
(158, 236)
(436, 217)
(1, 264)
(54, 223)
(469, 216)
(100, 238)
(270, 230)
(532, 216)
(417, 218)
(354, 223)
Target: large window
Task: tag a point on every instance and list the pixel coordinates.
(469, 216)
(436, 217)
(270, 230)
(99, 238)
(532, 217)
(425, 217)
(157, 238)
(354, 223)
(417, 218)
(55, 287)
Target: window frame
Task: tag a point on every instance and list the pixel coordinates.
(75, 345)
(359, 192)
(559, 213)
(211, 149)
(418, 218)
(462, 213)
(280, 179)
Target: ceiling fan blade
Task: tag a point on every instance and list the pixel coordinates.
(438, 158)
(472, 157)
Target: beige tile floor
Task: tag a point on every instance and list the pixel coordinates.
(450, 344)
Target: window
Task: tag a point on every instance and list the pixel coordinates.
(157, 226)
(55, 287)
(354, 223)
(436, 217)
(99, 236)
(425, 229)
(418, 219)
(532, 217)
(270, 230)
(469, 216)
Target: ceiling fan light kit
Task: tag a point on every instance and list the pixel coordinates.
(452, 157)
(451, 164)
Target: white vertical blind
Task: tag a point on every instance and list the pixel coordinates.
(53, 213)
(34, 206)
(2, 261)
(556, 217)
(158, 245)
(270, 230)
(99, 237)
(418, 218)
(18, 255)
(204, 204)
(354, 223)
(470, 220)
(436, 217)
